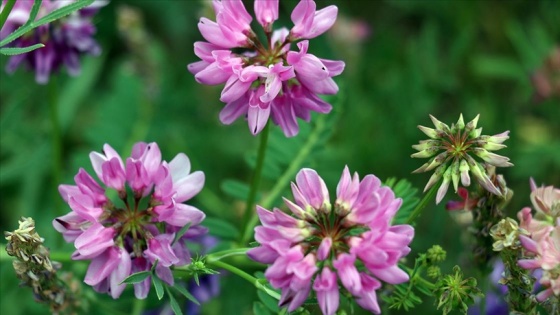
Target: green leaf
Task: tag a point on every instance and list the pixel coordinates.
(409, 194)
(221, 228)
(186, 293)
(158, 286)
(174, 305)
(235, 189)
(137, 277)
(498, 67)
(181, 232)
(10, 51)
(54, 15)
(260, 309)
(270, 302)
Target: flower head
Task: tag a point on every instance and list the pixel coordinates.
(348, 245)
(543, 243)
(128, 235)
(455, 147)
(64, 39)
(267, 80)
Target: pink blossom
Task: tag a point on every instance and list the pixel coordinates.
(122, 237)
(354, 237)
(266, 12)
(309, 23)
(266, 80)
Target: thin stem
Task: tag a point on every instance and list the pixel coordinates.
(56, 140)
(256, 180)
(422, 204)
(246, 276)
(287, 176)
(7, 9)
(226, 253)
(138, 306)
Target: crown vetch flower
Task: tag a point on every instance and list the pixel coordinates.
(268, 80)
(459, 143)
(64, 39)
(349, 246)
(543, 243)
(128, 235)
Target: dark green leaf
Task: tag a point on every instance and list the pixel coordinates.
(186, 293)
(270, 302)
(158, 286)
(260, 309)
(181, 232)
(221, 228)
(235, 189)
(137, 277)
(173, 302)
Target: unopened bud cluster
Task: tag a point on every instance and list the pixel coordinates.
(451, 150)
(35, 269)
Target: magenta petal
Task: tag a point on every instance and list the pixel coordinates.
(392, 275)
(119, 274)
(185, 214)
(95, 240)
(189, 186)
(102, 265)
(266, 11)
(257, 118)
(234, 110)
(322, 21)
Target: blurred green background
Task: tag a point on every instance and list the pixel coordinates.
(418, 58)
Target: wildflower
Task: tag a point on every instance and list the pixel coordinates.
(349, 246)
(64, 39)
(506, 234)
(458, 143)
(453, 292)
(543, 243)
(129, 235)
(267, 80)
(35, 269)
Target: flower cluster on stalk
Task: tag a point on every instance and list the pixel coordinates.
(65, 39)
(137, 230)
(543, 243)
(349, 246)
(267, 80)
(458, 143)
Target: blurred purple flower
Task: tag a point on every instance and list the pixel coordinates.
(122, 238)
(64, 39)
(266, 81)
(353, 242)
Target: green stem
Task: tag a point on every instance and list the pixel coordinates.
(56, 140)
(256, 180)
(288, 175)
(7, 9)
(138, 306)
(246, 276)
(422, 204)
(226, 253)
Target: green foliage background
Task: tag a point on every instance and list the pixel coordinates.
(422, 57)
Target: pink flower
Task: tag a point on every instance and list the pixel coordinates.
(266, 80)
(126, 237)
(349, 246)
(309, 23)
(543, 243)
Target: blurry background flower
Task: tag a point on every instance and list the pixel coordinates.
(64, 39)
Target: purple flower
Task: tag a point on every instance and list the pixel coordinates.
(266, 80)
(64, 39)
(128, 236)
(349, 246)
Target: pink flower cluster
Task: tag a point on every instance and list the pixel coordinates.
(350, 246)
(128, 235)
(266, 81)
(544, 240)
(64, 39)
